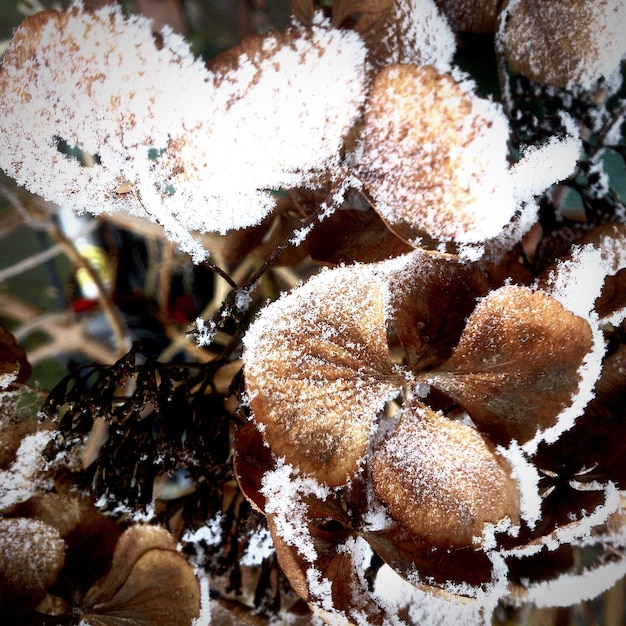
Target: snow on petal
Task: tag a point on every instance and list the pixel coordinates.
(415, 31)
(189, 148)
(564, 43)
(542, 166)
(434, 157)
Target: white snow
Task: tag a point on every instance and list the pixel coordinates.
(202, 160)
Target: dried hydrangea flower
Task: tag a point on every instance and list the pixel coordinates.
(274, 116)
(564, 44)
(454, 499)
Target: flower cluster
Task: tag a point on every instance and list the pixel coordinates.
(440, 410)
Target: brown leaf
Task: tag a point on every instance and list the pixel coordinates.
(349, 236)
(473, 16)
(331, 531)
(434, 158)
(149, 583)
(597, 441)
(131, 546)
(564, 43)
(443, 480)
(407, 32)
(318, 371)
(303, 10)
(160, 589)
(407, 554)
(516, 365)
(251, 459)
(32, 554)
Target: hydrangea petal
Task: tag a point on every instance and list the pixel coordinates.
(434, 157)
(516, 366)
(318, 371)
(443, 480)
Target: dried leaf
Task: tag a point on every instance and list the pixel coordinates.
(349, 236)
(597, 441)
(329, 577)
(31, 556)
(564, 43)
(443, 480)
(160, 588)
(517, 364)
(131, 546)
(318, 371)
(303, 10)
(434, 158)
(409, 31)
(149, 583)
(252, 458)
(407, 554)
(367, 12)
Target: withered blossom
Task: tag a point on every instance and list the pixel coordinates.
(451, 489)
(196, 162)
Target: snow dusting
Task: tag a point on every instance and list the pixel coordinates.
(203, 160)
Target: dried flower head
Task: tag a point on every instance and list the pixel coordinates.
(273, 115)
(448, 491)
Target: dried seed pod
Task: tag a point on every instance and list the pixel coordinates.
(435, 157)
(564, 44)
(443, 480)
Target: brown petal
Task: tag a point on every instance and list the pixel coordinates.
(407, 554)
(161, 588)
(406, 31)
(443, 480)
(472, 16)
(516, 366)
(13, 357)
(31, 555)
(131, 546)
(431, 296)
(349, 236)
(342, 591)
(434, 158)
(564, 43)
(251, 459)
(368, 11)
(597, 441)
(318, 371)
(149, 583)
